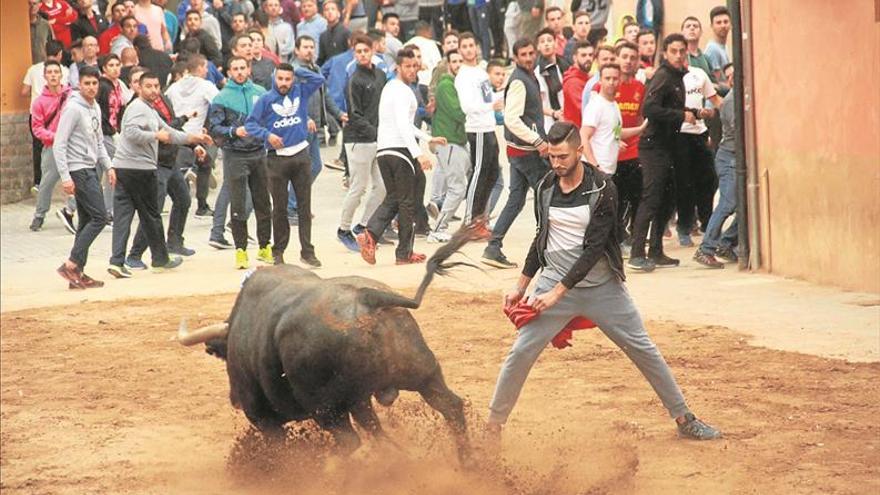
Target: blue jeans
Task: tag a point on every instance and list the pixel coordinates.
(525, 172)
(725, 167)
(317, 164)
(480, 24)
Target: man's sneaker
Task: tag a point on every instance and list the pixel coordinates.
(357, 229)
(493, 256)
(277, 258)
(66, 219)
(335, 164)
(181, 250)
(173, 262)
(367, 246)
(413, 258)
(241, 259)
(695, 429)
(707, 260)
(390, 234)
(641, 264)
(220, 243)
(439, 237)
(135, 263)
(347, 239)
(624, 250)
(205, 212)
(36, 224)
(35, 189)
(119, 271)
(311, 260)
(90, 283)
(684, 240)
(663, 261)
(727, 254)
(264, 254)
(190, 175)
(433, 210)
(72, 275)
(346, 181)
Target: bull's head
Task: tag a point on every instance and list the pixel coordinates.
(214, 337)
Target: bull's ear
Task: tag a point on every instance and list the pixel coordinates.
(375, 298)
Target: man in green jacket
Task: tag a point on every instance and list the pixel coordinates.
(449, 184)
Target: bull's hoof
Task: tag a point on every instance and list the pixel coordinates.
(387, 396)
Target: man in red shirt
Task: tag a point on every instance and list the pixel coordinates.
(574, 80)
(60, 16)
(106, 39)
(628, 177)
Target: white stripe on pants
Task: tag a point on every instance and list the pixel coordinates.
(362, 170)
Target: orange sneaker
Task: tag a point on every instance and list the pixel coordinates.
(413, 258)
(367, 245)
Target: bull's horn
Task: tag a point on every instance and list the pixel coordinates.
(203, 334)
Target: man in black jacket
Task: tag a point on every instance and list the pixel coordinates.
(334, 40)
(577, 249)
(664, 108)
(170, 182)
(359, 138)
(88, 22)
(207, 46)
(112, 97)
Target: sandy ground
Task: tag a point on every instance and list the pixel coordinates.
(97, 398)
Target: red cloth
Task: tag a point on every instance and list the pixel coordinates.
(523, 312)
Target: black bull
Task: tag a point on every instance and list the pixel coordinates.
(301, 347)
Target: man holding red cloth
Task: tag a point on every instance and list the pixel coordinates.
(577, 247)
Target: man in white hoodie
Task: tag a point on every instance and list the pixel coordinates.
(192, 95)
(475, 94)
(78, 150)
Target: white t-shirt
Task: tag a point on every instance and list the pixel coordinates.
(605, 116)
(475, 96)
(34, 78)
(697, 87)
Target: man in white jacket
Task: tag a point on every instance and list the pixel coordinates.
(475, 93)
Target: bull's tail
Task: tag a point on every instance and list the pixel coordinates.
(437, 265)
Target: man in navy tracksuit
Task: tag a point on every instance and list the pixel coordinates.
(279, 119)
(244, 159)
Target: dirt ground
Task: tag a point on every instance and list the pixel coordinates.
(99, 398)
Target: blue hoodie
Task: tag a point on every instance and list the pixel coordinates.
(336, 73)
(286, 116)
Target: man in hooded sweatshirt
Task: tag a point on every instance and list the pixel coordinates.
(244, 159)
(135, 176)
(78, 150)
(574, 80)
(194, 93)
(279, 119)
(45, 114)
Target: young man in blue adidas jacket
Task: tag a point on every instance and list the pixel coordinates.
(279, 119)
(244, 159)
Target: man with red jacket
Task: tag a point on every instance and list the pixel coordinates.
(574, 80)
(115, 29)
(45, 113)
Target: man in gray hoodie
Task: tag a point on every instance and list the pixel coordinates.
(79, 148)
(134, 176)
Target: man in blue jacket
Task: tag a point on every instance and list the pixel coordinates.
(279, 119)
(244, 159)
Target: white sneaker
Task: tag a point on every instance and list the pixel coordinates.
(439, 237)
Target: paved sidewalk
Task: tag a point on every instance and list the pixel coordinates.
(775, 312)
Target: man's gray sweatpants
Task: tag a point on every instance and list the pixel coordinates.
(610, 307)
(363, 171)
(48, 180)
(449, 184)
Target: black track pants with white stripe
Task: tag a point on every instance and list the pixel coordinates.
(484, 156)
